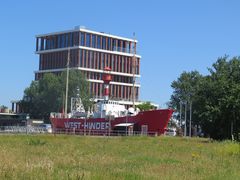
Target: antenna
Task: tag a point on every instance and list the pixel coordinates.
(133, 71)
(66, 96)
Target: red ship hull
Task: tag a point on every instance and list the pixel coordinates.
(154, 121)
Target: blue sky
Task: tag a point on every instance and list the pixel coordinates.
(174, 36)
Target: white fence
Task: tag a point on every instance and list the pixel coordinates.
(103, 132)
(22, 129)
(40, 130)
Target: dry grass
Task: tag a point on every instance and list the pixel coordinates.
(77, 157)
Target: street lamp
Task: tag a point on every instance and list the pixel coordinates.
(180, 118)
(190, 119)
(185, 117)
(26, 123)
(126, 124)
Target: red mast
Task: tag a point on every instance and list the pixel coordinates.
(106, 78)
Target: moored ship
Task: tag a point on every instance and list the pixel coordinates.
(110, 117)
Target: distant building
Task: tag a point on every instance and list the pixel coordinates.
(90, 52)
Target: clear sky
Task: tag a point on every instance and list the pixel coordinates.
(173, 35)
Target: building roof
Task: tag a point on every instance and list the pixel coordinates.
(76, 29)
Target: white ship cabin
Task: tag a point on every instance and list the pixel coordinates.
(109, 108)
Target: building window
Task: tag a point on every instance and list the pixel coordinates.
(112, 63)
(75, 38)
(50, 43)
(109, 44)
(88, 40)
(40, 43)
(80, 58)
(82, 39)
(95, 88)
(59, 41)
(62, 41)
(99, 60)
(44, 44)
(112, 90)
(85, 58)
(116, 61)
(47, 44)
(102, 60)
(71, 39)
(123, 64)
(103, 42)
(114, 45)
(132, 47)
(127, 47)
(92, 59)
(94, 41)
(89, 59)
(119, 45)
(99, 42)
(66, 40)
(124, 46)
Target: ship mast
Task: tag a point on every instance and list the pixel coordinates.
(133, 72)
(66, 95)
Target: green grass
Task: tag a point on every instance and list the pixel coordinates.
(78, 157)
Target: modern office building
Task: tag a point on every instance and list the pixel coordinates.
(90, 53)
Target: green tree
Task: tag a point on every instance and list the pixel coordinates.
(220, 99)
(48, 94)
(76, 80)
(185, 90)
(145, 106)
(215, 97)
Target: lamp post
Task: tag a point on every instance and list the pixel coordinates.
(185, 117)
(109, 117)
(190, 119)
(126, 124)
(85, 123)
(180, 118)
(26, 123)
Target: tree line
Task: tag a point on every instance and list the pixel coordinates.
(215, 98)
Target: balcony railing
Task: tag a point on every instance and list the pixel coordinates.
(125, 50)
(115, 48)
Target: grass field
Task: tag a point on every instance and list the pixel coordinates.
(78, 157)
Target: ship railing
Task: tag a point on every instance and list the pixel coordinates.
(56, 115)
(73, 131)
